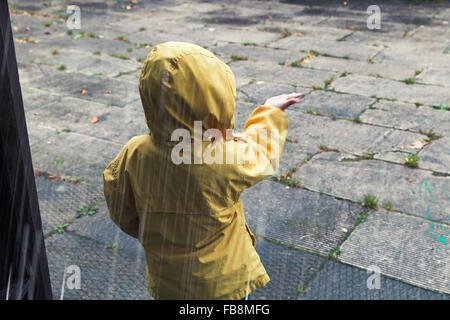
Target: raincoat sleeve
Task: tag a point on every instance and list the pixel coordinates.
(260, 148)
(119, 195)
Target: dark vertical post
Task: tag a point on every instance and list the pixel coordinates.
(23, 260)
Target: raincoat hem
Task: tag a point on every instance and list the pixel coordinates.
(259, 283)
(252, 287)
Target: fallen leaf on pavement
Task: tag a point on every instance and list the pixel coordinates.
(94, 119)
(83, 92)
(419, 144)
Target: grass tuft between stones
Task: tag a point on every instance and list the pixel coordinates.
(412, 161)
(370, 201)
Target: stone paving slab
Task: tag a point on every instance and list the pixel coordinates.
(298, 217)
(303, 34)
(341, 105)
(402, 247)
(397, 70)
(394, 10)
(106, 273)
(88, 63)
(307, 132)
(398, 184)
(407, 116)
(96, 87)
(75, 114)
(264, 71)
(36, 98)
(435, 76)
(59, 200)
(347, 136)
(102, 229)
(38, 134)
(384, 88)
(238, 14)
(337, 281)
(75, 154)
(358, 23)
(327, 46)
(35, 26)
(294, 153)
(381, 38)
(398, 157)
(437, 155)
(412, 51)
(199, 37)
(30, 71)
(288, 270)
(235, 35)
(255, 53)
(440, 29)
(87, 44)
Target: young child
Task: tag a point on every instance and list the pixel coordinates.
(189, 216)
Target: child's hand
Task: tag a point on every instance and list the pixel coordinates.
(283, 101)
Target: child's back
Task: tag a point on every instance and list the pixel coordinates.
(189, 216)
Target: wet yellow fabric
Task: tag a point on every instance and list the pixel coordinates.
(189, 217)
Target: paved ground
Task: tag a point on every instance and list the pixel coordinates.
(372, 98)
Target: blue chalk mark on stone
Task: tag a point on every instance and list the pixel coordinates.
(441, 239)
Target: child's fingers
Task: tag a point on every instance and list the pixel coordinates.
(294, 95)
(289, 102)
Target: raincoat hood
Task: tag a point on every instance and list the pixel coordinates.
(181, 83)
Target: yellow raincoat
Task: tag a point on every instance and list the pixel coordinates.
(190, 217)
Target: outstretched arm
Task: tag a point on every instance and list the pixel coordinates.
(261, 145)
